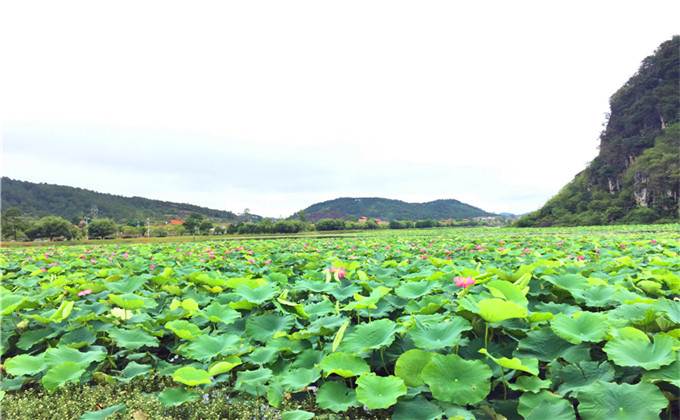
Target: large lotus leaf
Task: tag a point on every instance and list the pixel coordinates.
(62, 373)
(263, 327)
(191, 376)
(131, 301)
(410, 364)
(497, 310)
(128, 285)
(25, 364)
(572, 377)
(530, 384)
(377, 392)
(134, 369)
(648, 355)
(58, 355)
(598, 296)
(345, 365)
(544, 345)
(297, 415)
(372, 335)
(414, 290)
(132, 339)
(32, 337)
(670, 307)
(262, 355)
(545, 405)
(363, 302)
(295, 380)
(183, 329)
(104, 413)
(224, 365)
(253, 381)
(78, 338)
(176, 396)
(216, 312)
(609, 400)
(417, 408)
(584, 326)
(335, 396)
(189, 305)
(454, 379)
(434, 336)
(568, 281)
(670, 373)
(526, 365)
(207, 347)
(315, 286)
(507, 291)
(257, 295)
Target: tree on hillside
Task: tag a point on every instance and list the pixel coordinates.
(101, 228)
(12, 223)
(51, 227)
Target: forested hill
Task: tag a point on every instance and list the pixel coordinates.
(40, 200)
(387, 209)
(636, 176)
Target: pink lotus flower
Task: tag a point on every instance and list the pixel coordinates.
(340, 271)
(267, 262)
(152, 266)
(580, 258)
(653, 241)
(597, 251)
(85, 292)
(464, 282)
(251, 261)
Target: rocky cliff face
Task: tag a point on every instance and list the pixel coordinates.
(634, 178)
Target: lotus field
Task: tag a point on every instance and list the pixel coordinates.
(540, 324)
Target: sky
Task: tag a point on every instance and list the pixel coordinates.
(273, 106)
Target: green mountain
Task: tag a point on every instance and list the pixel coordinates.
(387, 209)
(40, 200)
(636, 176)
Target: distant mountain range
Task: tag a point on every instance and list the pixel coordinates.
(70, 203)
(388, 209)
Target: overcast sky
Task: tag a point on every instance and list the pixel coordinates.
(276, 105)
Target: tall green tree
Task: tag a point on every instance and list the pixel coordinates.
(12, 223)
(101, 228)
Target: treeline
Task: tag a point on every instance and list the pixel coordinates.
(16, 227)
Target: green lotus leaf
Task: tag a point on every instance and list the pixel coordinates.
(609, 400)
(132, 339)
(434, 336)
(176, 396)
(253, 381)
(526, 365)
(599, 296)
(363, 302)
(296, 415)
(670, 373)
(62, 373)
(335, 396)
(575, 376)
(542, 344)
(58, 355)
(131, 301)
(191, 376)
(670, 307)
(128, 285)
(373, 335)
(295, 380)
(10, 302)
(216, 312)
(104, 413)
(134, 369)
(454, 379)
(184, 329)
(223, 366)
(410, 364)
(584, 326)
(206, 347)
(545, 405)
(377, 392)
(189, 305)
(339, 335)
(78, 338)
(507, 291)
(648, 355)
(62, 312)
(262, 355)
(345, 365)
(417, 408)
(497, 310)
(32, 337)
(263, 327)
(529, 384)
(568, 281)
(413, 290)
(257, 295)
(25, 364)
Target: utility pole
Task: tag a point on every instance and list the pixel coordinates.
(148, 228)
